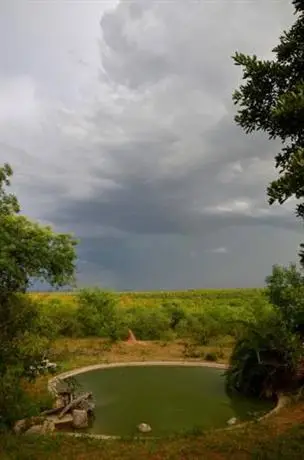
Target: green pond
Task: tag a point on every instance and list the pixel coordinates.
(171, 399)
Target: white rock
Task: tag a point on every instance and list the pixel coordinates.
(80, 418)
(48, 426)
(144, 427)
(19, 426)
(232, 421)
(35, 429)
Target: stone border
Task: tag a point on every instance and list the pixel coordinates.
(282, 401)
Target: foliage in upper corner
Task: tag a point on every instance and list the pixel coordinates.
(271, 99)
(30, 251)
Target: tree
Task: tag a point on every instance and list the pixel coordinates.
(285, 290)
(28, 251)
(271, 99)
(265, 360)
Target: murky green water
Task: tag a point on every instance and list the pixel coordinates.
(170, 399)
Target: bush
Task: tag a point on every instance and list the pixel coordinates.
(285, 289)
(175, 311)
(24, 341)
(211, 356)
(98, 314)
(191, 351)
(149, 323)
(64, 318)
(199, 327)
(265, 360)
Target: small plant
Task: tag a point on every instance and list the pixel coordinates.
(211, 356)
(191, 351)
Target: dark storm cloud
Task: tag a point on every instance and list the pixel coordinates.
(132, 144)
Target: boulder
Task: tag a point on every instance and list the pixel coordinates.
(20, 426)
(65, 421)
(144, 428)
(35, 429)
(48, 426)
(232, 421)
(80, 418)
(59, 402)
(87, 405)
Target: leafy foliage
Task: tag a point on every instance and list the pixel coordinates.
(272, 100)
(149, 323)
(28, 251)
(286, 293)
(98, 314)
(267, 356)
(265, 360)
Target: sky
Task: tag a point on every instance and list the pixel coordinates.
(118, 121)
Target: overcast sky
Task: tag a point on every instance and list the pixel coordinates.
(118, 122)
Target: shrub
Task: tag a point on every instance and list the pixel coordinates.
(211, 356)
(285, 289)
(64, 318)
(191, 351)
(24, 341)
(265, 360)
(149, 323)
(98, 314)
(175, 311)
(199, 327)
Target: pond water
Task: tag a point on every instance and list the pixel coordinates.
(171, 399)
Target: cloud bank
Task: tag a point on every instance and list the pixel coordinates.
(117, 119)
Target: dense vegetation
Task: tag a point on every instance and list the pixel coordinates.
(198, 315)
(28, 251)
(271, 100)
(269, 357)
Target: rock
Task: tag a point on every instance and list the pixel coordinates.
(59, 402)
(48, 426)
(86, 405)
(144, 428)
(20, 426)
(80, 418)
(35, 429)
(58, 422)
(232, 421)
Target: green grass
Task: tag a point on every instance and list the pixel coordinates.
(261, 442)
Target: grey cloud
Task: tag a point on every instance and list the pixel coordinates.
(136, 150)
